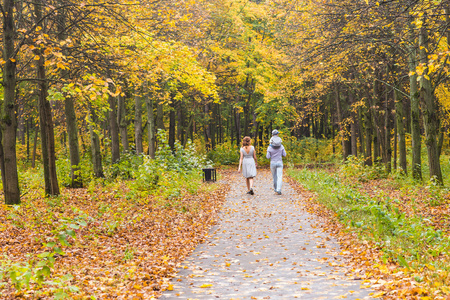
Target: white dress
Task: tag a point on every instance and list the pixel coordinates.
(248, 163)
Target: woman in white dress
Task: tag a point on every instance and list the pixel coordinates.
(248, 163)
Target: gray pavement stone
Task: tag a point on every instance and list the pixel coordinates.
(265, 246)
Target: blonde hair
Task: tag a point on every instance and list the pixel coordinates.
(246, 141)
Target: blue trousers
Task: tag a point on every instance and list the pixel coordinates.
(277, 174)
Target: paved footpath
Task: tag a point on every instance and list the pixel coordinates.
(265, 247)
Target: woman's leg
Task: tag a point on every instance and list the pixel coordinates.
(250, 180)
(247, 180)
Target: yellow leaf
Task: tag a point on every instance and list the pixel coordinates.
(206, 285)
(377, 295)
(137, 286)
(170, 287)
(38, 28)
(12, 59)
(36, 57)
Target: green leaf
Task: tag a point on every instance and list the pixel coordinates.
(59, 251)
(50, 245)
(402, 261)
(74, 226)
(45, 254)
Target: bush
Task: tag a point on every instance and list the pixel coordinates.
(169, 168)
(125, 167)
(224, 154)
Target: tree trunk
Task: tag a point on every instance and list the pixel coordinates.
(430, 112)
(159, 116)
(33, 155)
(180, 123)
(95, 143)
(415, 110)
(368, 132)
(151, 124)
(114, 130)
(387, 135)
(71, 119)
(138, 122)
(353, 126)
(237, 124)
(342, 130)
(123, 124)
(207, 126)
(172, 122)
(399, 114)
(28, 138)
(46, 121)
(74, 150)
(8, 156)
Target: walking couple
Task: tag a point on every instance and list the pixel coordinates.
(248, 161)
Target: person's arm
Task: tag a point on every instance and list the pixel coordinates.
(268, 155)
(254, 156)
(240, 160)
(284, 152)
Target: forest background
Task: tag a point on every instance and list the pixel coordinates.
(144, 93)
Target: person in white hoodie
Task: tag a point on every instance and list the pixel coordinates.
(276, 152)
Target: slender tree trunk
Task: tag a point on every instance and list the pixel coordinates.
(387, 135)
(28, 138)
(255, 129)
(151, 124)
(180, 123)
(8, 156)
(368, 132)
(159, 116)
(207, 126)
(415, 110)
(237, 122)
(172, 122)
(377, 121)
(95, 143)
(33, 155)
(21, 126)
(395, 144)
(46, 121)
(213, 121)
(399, 113)
(430, 112)
(123, 124)
(114, 130)
(138, 122)
(71, 119)
(353, 126)
(74, 150)
(342, 128)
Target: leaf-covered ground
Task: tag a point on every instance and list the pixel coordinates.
(366, 258)
(128, 248)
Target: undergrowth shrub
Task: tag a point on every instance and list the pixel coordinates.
(63, 170)
(169, 170)
(224, 154)
(309, 150)
(125, 167)
(354, 167)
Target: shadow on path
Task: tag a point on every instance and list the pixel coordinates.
(265, 247)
